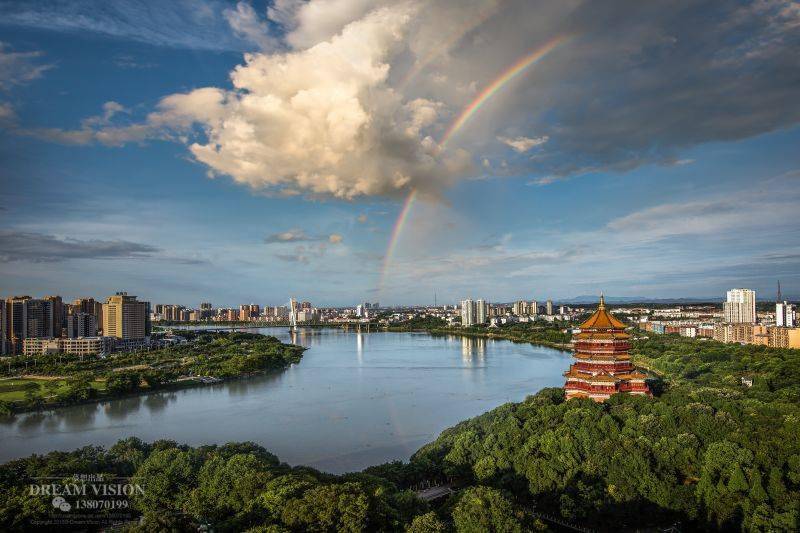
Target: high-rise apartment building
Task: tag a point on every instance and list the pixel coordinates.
(40, 319)
(249, 312)
(467, 312)
(16, 323)
(124, 317)
(549, 307)
(474, 312)
(481, 311)
(171, 313)
(785, 314)
(534, 307)
(59, 314)
(81, 324)
(3, 327)
(740, 307)
(88, 305)
(27, 318)
(520, 308)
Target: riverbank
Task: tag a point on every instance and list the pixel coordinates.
(59, 380)
(550, 337)
(710, 453)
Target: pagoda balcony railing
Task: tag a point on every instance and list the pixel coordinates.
(633, 387)
(622, 366)
(602, 347)
(586, 387)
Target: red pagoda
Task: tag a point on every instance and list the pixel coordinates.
(603, 366)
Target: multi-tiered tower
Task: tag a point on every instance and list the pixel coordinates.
(603, 366)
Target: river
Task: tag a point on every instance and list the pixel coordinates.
(355, 400)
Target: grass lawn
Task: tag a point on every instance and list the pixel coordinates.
(13, 389)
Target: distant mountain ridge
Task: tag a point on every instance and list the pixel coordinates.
(590, 299)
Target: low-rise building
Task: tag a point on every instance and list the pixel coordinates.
(40, 346)
(88, 345)
(75, 346)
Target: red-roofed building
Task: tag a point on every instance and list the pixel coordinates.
(603, 366)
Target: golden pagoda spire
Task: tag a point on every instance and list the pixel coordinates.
(602, 304)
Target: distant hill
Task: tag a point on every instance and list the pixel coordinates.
(592, 298)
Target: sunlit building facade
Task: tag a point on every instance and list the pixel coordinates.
(603, 366)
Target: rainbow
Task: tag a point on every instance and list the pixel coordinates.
(490, 90)
(396, 231)
(509, 74)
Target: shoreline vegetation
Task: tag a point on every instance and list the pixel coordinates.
(59, 380)
(539, 333)
(716, 449)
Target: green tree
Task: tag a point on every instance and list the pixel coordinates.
(484, 509)
(166, 477)
(427, 523)
(341, 508)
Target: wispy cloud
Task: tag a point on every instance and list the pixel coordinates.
(21, 246)
(522, 144)
(127, 61)
(299, 235)
(193, 24)
(19, 68)
(38, 247)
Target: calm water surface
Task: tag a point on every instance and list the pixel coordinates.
(353, 401)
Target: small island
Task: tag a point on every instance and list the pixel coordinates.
(197, 358)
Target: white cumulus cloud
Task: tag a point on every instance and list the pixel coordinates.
(523, 144)
(321, 120)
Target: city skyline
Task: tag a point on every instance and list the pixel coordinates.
(483, 164)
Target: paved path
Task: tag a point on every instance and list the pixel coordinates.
(434, 493)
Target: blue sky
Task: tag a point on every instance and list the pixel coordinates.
(142, 150)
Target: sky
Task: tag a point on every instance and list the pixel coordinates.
(398, 151)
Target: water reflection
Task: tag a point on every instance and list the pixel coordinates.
(78, 417)
(31, 421)
(243, 387)
(472, 349)
(157, 402)
(120, 409)
(360, 348)
(354, 399)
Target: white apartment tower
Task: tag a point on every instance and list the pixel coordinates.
(785, 315)
(784, 312)
(740, 308)
(481, 311)
(467, 312)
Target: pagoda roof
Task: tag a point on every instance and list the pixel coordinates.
(602, 319)
(591, 335)
(604, 357)
(600, 376)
